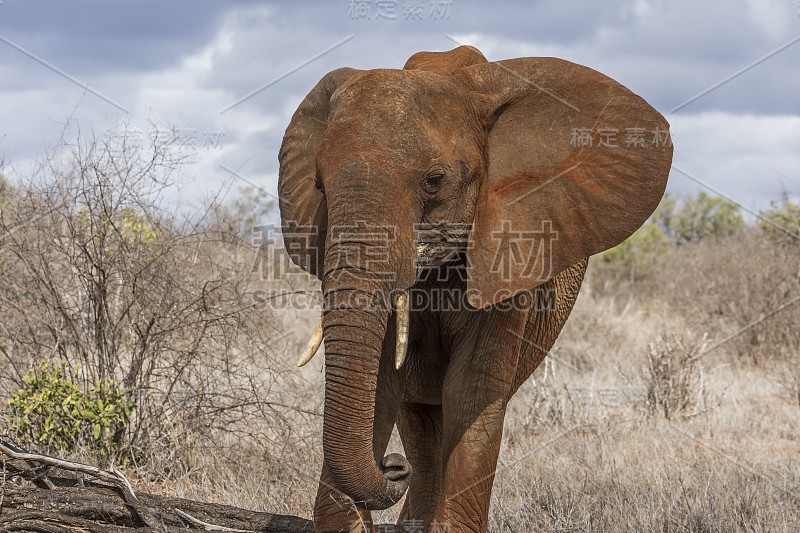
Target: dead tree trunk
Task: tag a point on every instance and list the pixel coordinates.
(104, 510)
(34, 498)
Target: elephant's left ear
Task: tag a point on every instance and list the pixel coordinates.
(576, 163)
(304, 212)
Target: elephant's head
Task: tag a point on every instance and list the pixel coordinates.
(547, 161)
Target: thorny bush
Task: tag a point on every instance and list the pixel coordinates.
(152, 302)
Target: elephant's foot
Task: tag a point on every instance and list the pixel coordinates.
(459, 516)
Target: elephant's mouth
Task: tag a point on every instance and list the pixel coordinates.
(439, 244)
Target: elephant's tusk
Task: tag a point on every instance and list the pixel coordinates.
(313, 345)
(401, 348)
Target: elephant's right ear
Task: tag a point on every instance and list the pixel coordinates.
(304, 213)
(576, 164)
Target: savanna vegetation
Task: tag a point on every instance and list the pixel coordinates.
(163, 341)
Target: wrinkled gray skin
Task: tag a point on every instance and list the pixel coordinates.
(453, 139)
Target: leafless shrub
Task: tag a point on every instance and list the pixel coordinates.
(743, 288)
(674, 377)
(546, 405)
(746, 289)
(96, 272)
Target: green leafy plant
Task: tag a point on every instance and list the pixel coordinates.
(634, 257)
(698, 217)
(126, 226)
(781, 222)
(50, 409)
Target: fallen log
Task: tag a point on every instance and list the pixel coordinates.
(45, 494)
(102, 510)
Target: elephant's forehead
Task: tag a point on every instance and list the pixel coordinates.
(396, 111)
(352, 144)
(394, 95)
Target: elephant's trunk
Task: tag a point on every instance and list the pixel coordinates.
(355, 318)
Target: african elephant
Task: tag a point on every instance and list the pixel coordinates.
(376, 169)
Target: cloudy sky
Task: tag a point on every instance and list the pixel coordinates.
(725, 73)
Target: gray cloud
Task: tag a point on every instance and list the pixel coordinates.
(91, 36)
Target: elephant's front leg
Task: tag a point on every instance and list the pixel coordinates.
(421, 430)
(476, 390)
(471, 452)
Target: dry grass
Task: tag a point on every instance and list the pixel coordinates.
(640, 420)
(651, 439)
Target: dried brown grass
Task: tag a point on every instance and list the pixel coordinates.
(649, 415)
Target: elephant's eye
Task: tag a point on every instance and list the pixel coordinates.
(432, 184)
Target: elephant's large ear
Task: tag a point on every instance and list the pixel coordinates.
(304, 213)
(576, 163)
